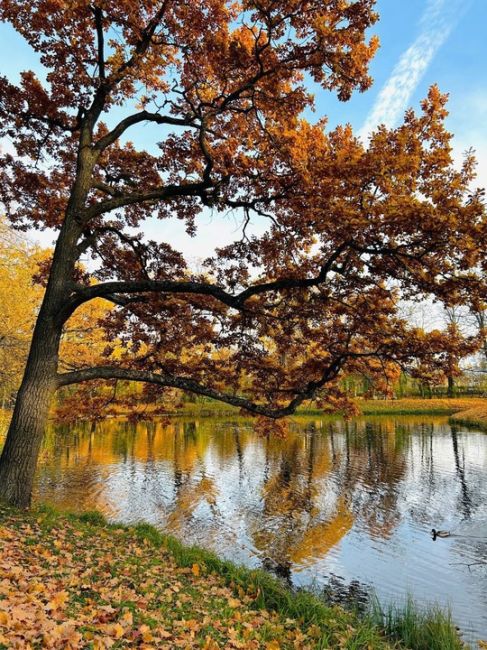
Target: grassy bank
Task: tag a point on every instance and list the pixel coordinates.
(69, 581)
(473, 417)
(407, 406)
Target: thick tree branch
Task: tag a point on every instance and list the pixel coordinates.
(190, 385)
(136, 118)
(206, 153)
(182, 383)
(106, 189)
(110, 290)
(117, 288)
(156, 194)
(120, 301)
(100, 41)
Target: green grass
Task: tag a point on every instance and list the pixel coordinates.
(92, 517)
(470, 423)
(419, 406)
(420, 629)
(475, 417)
(399, 411)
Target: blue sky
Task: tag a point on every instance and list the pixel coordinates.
(425, 42)
(422, 42)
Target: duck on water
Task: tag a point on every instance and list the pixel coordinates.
(439, 533)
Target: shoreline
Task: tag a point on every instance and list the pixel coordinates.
(475, 417)
(406, 406)
(76, 578)
(471, 411)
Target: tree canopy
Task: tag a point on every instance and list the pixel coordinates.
(19, 301)
(352, 227)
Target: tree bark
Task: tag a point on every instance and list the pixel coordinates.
(451, 386)
(19, 457)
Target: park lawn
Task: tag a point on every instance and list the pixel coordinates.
(76, 582)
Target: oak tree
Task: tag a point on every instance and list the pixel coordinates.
(223, 85)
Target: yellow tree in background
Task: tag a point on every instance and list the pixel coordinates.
(19, 300)
(22, 267)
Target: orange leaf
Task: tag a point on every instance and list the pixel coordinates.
(58, 600)
(117, 631)
(272, 645)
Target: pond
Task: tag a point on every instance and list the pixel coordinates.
(354, 502)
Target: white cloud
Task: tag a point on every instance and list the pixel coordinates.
(437, 22)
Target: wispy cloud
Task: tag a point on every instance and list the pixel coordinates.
(436, 24)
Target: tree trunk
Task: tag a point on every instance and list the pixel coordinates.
(19, 457)
(451, 386)
(22, 445)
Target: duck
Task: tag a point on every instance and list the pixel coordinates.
(439, 533)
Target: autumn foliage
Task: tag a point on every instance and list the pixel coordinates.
(271, 320)
(19, 299)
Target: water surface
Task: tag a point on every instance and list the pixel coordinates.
(354, 500)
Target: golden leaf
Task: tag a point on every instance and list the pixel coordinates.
(272, 645)
(128, 617)
(117, 631)
(58, 600)
(211, 644)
